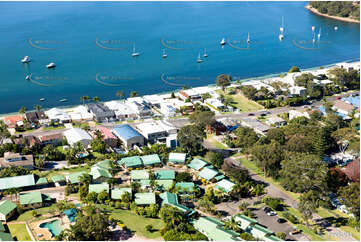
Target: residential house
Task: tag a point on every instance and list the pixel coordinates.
(343, 107)
(256, 125)
(177, 158)
(208, 173)
(116, 193)
(165, 175)
(197, 164)
(108, 137)
(101, 112)
(98, 188)
(167, 110)
(154, 100)
(17, 182)
(100, 175)
(352, 170)
(275, 121)
(51, 139)
(216, 128)
(131, 162)
(145, 198)
(171, 199)
(349, 66)
(138, 175)
(225, 185)
(35, 117)
(214, 229)
(17, 159)
(33, 200)
(13, 121)
(151, 160)
(7, 210)
(140, 106)
(216, 104)
(156, 131)
(182, 106)
(75, 135)
(190, 95)
(129, 136)
(58, 115)
(292, 114)
(298, 91)
(80, 113)
(58, 180)
(122, 110)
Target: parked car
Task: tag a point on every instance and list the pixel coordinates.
(295, 232)
(281, 220)
(267, 209)
(271, 213)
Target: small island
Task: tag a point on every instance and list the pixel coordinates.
(343, 11)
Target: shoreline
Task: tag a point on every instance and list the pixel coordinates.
(272, 75)
(315, 11)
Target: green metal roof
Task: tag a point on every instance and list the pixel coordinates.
(197, 164)
(165, 175)
(145, 198)
(149, 160)
(6, 237)
(97, 172)
(98, 188)
(144, 182)
(214, 229)
(274, 238)
(31, 198)
(208, 173)
(104, 164)
(177, 157)
(6, 207)
(42, 181)
(58, 178)
(131, 162)
(118, 192)
(17, 182)
(2, 228)
(185, 186)
(225, 185)
(139, 175)
(262, 229)
(74, 178)
(169, 198)
(219, 177)
(164, 184)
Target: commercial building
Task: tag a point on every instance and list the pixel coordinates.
(128, 136)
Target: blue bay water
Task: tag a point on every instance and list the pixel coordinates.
(72, 28)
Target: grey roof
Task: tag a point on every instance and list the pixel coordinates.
(100, 110)
(126, 132)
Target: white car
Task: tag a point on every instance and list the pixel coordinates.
(271, 213)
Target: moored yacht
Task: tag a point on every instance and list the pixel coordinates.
(223, 41)
(199, 60)
(248, 39)
(51, 65)
(135, 54)
(205, 53)
(164, 54)
(26, 59)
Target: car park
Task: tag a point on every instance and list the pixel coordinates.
(281, 220)
(297, 231)
(271, 213)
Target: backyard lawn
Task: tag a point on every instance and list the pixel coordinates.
(19, 232)
(68, 171)
(215, 143)
(138, 223)
(27, 216)
(243, 103)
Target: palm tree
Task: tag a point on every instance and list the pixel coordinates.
(22, 110)
(37, 107)
(133, 94)
(120, 94)
(82, 99)
(96, 99)
(243, 206)
(85, 179)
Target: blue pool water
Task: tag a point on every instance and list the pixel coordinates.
(71, 214)
(54, 227)
(91, 44)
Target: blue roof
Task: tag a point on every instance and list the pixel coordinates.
(323, 110)
(125, 131)
(355, 101)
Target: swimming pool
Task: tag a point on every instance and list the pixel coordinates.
(53, 226)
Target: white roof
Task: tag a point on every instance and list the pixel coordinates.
(75, 135)
(175, 102)
(136, 99)
(214, 102)
(203, 90)
(275, 119)
(258, 85)
(56, 113)
(177, 156)
(119, 107)
(153, 99)
(79, 113)
(191, 92)
(156, 127)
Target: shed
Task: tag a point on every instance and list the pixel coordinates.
(7, 209)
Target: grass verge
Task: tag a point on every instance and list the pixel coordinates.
(19, 232)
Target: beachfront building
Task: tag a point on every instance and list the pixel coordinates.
(214, 229)
(129, 136)
(256, 125)
(122, 110)
(177, 158)
(75, 135)
(258, 85)
(58, 115)
(154, 100)
(145, 198)
(80, 113)
(17, 159)
(140, 106)
(214, 103)
(101, 112)
(7, 210)
(36, 117)
(182, 106)
(189, 94)
(349, 66)
(167, 110)
(17, 182)
(13, 121)
(116, 193)
(156, 131)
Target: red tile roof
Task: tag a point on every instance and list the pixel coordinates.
(12, 120)
(106, 132)
(352, 170)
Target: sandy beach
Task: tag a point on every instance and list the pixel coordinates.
(315, 11)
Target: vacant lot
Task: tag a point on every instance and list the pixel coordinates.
(242, 103)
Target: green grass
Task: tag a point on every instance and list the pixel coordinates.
(243, 103)
(71, 170)
(19, 231)
(53, 128)
(215, 143)
(137, 223)
(27, 216)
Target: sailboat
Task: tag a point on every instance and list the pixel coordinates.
(205, 53)
(135, 54)
(223, 41)
(199, 60)
(248, 39)
(282, 29)
(313, 39)
(319, 34)
(164, 54)
(336, 28)
(26, 59)
(313, 28)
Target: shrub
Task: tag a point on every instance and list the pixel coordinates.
(290, 217)
(281, 235)
(149, 228)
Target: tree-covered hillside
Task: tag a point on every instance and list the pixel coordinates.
(336, 8)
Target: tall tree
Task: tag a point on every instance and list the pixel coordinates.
(202, 118)
(191, 138)
(223, 81)
(120, 94)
